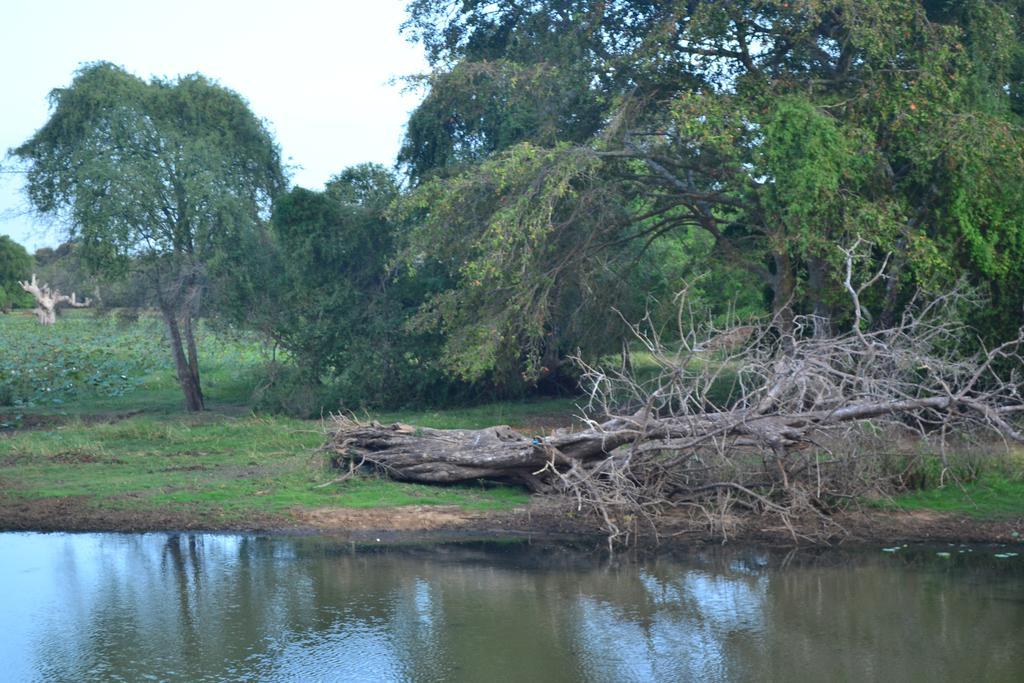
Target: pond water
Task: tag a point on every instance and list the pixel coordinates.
(194, 607)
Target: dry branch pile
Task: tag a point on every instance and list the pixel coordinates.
(772, 423)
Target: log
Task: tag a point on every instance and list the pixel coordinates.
(439, 456)
(445, 456)
(799, 395)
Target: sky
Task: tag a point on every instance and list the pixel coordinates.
(321, 73)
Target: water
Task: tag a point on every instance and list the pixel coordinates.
(196, 607)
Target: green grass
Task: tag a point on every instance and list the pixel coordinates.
(525, 414)
(226, 464)
(232, 467)
(992, 495)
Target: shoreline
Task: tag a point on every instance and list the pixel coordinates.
(539, 520)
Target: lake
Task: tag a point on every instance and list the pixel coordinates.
(200, 607)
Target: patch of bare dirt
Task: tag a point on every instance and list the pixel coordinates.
(15, 422)
(924, 525)
(853, 527)
(80, 457)
(540, 517)
(406, 518)
(79, 513)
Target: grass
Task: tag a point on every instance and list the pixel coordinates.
(126, 445)
(223, 467)
(993, 495)
(523, 414)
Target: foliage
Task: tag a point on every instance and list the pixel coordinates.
(480, 108)
(149, 169)
(157, 177)
(525, 238)
(504, 75)
(90, 363)
(321, 283)
(55, 364)
(776, 129)
(15, 266)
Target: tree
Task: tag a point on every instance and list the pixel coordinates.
(786, 439)
(776, 129)
(47, 300)
(321, 282)
(15, 265)
(155, 177)
(513, 72)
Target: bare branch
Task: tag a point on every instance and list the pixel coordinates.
(736, 417)
(47, 301)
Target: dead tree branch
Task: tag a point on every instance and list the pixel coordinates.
(48, 300)
(745, 422)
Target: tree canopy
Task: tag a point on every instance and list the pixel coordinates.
(777, 130)
(156, 176)
(572, 165)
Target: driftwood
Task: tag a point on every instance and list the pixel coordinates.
(771, 423)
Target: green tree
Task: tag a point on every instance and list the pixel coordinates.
(776, 129)
(320, 281)
(155, 177)
(504, 74)
(15, 266)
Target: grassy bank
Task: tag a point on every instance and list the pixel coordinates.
(91, 413)
(992, 495)
(218, 467)
(91, 423)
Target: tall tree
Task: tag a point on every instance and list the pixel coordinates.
(156, 177)
(777, 129)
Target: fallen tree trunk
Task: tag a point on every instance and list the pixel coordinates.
(445, 456)
(786, 440)
(438, 456)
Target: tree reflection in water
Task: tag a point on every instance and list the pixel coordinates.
(220, 607)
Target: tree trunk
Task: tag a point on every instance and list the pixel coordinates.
(892, 287)
(193, 359)
(782, 299)
(46, 316)
(188, 378)
(817, 278)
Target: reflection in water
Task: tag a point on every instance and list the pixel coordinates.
(219, 607)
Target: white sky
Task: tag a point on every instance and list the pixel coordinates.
(317, 71)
